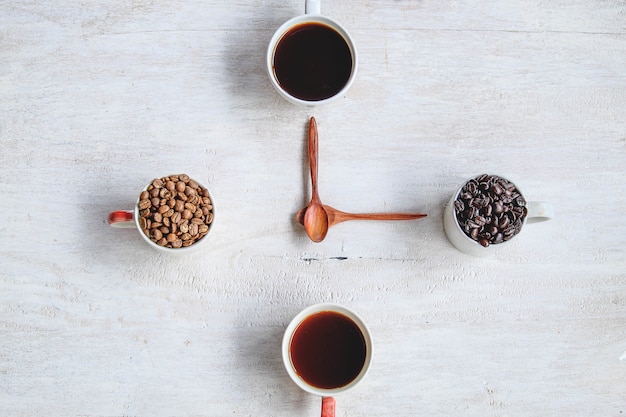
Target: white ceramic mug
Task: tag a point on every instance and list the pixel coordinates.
(312, 16)
(312, 312)
(125, 219)
(538, 211)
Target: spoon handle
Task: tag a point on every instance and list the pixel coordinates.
(313, 140)
(342, 217)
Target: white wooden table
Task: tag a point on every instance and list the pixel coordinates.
(97, 98)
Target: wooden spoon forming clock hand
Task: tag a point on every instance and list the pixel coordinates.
(315, 219)
(337, 216)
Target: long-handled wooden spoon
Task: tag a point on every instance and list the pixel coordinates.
(315, 219)
(337, 216)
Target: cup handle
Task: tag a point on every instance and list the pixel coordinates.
(539, 211)
(121, 219)
(328, 407)
(312, 7)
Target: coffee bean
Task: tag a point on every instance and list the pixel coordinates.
(175, 211)
(490, 209)
(144, 204)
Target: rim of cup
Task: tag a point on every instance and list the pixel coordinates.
(293, 326)
(303, 19)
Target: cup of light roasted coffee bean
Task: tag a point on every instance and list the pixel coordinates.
(487, 212)
(173, 214)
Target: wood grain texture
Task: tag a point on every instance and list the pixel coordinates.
(98, 98)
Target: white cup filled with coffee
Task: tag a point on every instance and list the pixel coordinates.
(327, 350)
(311, 59)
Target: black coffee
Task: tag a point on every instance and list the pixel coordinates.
(328, 350)
(312, 62)
(490, 209)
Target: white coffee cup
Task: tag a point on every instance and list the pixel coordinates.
(124, 219)
(537, 211)
(313, 17)
(307, 317)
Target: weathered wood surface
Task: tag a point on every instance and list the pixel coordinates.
(99, 97)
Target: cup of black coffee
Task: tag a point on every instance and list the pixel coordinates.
(327, 349)
(311, 59)
(487, 212)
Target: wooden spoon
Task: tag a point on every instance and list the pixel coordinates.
(315, 219)
(337, 216)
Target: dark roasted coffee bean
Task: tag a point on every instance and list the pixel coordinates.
(490, 209)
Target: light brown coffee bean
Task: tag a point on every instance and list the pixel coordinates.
(175, 211)
(191, 207)
(144, 204)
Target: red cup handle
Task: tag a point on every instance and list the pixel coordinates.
(328, 407)
(121, 218)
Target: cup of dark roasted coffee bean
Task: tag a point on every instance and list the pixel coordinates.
(173, 214)
(311, 59)
(487, 212)
(327, 349)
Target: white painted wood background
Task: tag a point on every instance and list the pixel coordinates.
(99, 97)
